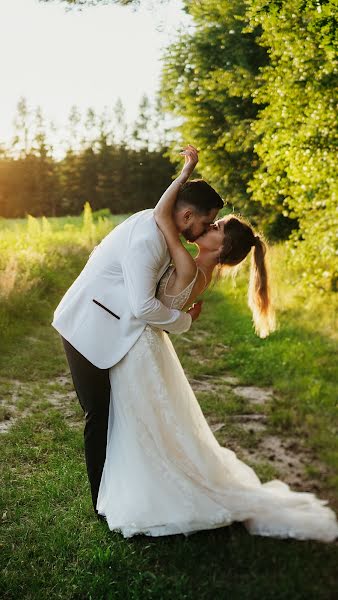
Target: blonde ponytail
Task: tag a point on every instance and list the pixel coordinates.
(259, 299)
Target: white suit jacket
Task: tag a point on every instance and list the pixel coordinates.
(109, 304)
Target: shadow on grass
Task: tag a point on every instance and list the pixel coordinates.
(53, 546)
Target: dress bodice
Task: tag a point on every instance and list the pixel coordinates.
(177, 301)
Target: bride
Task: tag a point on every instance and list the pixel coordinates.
(165, 473)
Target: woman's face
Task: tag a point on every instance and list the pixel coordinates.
(213, 239)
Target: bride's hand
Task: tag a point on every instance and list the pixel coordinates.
(190, 161)
(195, 310)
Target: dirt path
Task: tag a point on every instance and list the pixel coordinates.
(21, 399)
(246, 432)
(250, 436)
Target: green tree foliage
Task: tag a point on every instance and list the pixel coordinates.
(209, 81)
(297, 128)
(208, 77)
(253, 84)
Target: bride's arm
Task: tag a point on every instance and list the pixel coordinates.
(163, 213)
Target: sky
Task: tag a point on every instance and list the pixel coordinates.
(57, 58)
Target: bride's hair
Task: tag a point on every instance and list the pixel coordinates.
(239, 238)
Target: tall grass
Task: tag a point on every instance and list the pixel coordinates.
(34, 254)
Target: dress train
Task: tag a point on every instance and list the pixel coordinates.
(165, 473)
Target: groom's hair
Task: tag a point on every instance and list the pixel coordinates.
(200, 195)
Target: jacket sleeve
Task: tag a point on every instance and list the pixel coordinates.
(140, 267)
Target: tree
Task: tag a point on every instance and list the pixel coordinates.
(22, 121)
(142, 127)
(72, 200)
(44, 171)
(74, 122)
(297, 127)
(209, 77)
(253, 85)
(99, 167)
(88, 177)
(121, 128)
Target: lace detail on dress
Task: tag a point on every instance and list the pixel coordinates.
(178, 300)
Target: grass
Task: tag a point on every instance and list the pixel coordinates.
(51, 544)
(56, 223)
(298, 362)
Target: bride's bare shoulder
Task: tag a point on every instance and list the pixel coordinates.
(182, 275)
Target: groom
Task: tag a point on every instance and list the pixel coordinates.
(112, 300)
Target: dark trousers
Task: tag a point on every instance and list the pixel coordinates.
(92, 387)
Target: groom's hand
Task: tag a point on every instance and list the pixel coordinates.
(195, 310)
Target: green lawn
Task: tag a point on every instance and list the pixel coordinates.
(52, 545)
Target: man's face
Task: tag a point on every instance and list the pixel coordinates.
(192, 225)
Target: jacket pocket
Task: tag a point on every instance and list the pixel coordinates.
(105, 308)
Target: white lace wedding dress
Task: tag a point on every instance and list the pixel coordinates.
(165, 473)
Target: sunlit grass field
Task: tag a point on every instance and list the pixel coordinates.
(19, 226)
(52, 546)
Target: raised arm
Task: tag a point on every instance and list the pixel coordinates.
(163, 214)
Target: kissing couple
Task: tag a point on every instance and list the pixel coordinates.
(154, 466)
